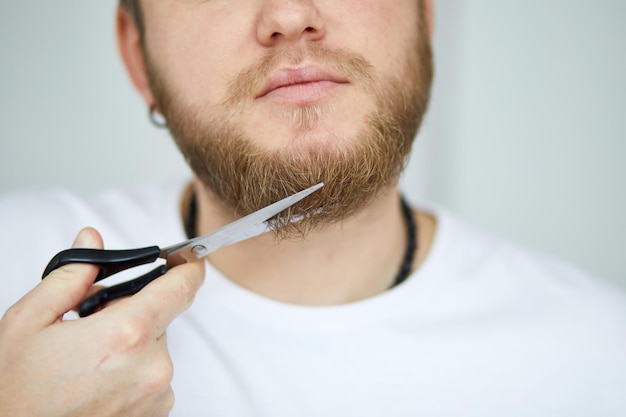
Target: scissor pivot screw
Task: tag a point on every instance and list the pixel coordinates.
(198, 250)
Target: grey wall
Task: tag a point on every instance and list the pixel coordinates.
(524, 135)
(68, 115)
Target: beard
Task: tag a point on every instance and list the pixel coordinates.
(245, 176)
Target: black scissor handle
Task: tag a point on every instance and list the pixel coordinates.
(99, 299)
(110, 261)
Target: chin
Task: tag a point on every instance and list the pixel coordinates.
(294, 131)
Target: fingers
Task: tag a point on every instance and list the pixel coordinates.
(64, 288)
(119, 353)
(61, 290)
(167, 297)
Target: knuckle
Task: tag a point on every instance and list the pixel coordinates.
(11, 319)
(131, 333)
(165, 404)
(12, 314)
(168, 401)
(159, 376)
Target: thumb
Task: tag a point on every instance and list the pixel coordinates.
(63, 288)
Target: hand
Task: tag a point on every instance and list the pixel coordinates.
(112, 363)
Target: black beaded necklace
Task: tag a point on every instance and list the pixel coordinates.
(409, 220)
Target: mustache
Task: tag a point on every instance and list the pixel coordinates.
(248, 82)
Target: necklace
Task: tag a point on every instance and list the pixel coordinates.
(409, 222)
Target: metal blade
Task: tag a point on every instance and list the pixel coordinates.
(241, 229)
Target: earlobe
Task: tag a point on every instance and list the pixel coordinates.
(130, 48)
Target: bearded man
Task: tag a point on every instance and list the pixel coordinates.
(365, 307)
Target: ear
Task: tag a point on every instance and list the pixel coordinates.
(130, 48)
(429, 10)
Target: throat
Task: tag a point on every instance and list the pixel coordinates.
(358, 258)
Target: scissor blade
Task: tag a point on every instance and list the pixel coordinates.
(241, 229)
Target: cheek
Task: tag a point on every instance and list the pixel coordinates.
(199, 56)
(383, 30)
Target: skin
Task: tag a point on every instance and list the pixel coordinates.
(350, 260)
(121, 366)
(236, 35)
(113, 363)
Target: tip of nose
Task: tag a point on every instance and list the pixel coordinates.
(310, 32)
(290, 23)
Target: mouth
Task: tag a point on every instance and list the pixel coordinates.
(300, 85)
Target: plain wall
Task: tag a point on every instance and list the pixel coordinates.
(524, 136)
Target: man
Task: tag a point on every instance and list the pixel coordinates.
(265, 98)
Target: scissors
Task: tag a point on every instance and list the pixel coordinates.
(111, 262)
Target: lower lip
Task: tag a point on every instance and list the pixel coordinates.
(303, 93)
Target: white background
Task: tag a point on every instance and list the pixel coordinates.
(525, 134)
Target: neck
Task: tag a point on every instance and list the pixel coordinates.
(348, 261)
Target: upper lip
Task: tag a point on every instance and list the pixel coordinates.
(290, 76)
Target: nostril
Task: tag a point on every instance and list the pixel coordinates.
(309, 29)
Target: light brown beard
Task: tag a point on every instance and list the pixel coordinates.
(247, 177)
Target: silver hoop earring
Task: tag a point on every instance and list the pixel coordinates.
(156, 118)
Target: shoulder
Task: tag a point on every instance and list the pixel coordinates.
(523, 301)
(501, 272)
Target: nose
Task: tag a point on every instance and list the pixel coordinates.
(289, 21)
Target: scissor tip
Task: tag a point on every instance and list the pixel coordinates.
(315, 187)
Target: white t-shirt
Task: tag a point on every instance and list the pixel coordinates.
(483, 328)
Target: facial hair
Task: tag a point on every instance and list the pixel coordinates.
(246, 177)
